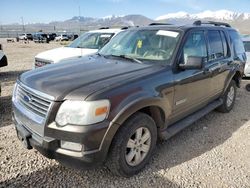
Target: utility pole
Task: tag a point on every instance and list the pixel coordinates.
(79, 9)
(23, 24)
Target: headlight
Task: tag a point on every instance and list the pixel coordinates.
(82, 112)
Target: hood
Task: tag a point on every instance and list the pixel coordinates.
(58, 54)
(90, 74)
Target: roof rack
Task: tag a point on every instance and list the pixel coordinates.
(127, 27)
(199, 22)
(160, 24)
(104, 28)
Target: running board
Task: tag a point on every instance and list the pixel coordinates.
(182, 124)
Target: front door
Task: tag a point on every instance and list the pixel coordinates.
(192, 88)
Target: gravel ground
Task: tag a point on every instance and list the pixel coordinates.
(213, 152)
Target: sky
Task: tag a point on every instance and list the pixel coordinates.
(45, 11)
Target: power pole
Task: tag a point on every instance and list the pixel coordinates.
(79, 9)
(23, 24)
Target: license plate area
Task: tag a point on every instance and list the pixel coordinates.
(24, 136)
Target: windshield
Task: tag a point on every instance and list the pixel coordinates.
(156, 45)
(247, 46)
(91, 40)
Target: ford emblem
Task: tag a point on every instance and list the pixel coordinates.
(27, 98)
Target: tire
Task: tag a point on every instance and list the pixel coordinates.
(120, 160)
(228, 98)
(248, 87)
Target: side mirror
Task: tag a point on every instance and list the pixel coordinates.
(1, 48)
(193, 62)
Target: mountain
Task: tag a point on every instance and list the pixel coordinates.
(75, 24)
(241, 21)
(218, 15)
(111, 21)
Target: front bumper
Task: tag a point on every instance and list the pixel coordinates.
(92, 154)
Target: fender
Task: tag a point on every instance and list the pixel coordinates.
(232, 73)
(125, 113)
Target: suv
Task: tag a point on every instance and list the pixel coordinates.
(88, 43)
(25, 36)
(147, 83)
(62, 37)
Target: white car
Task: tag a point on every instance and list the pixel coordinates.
(22, 36)
(62, 37)
(87, 44)
(246, 42)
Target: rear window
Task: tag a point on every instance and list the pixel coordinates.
(247, 46)
(237, 42)
(216, 46)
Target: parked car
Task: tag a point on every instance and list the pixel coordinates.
(25, 36)
(41, 37)
(52, 36)
(246, 42)
(22, 37)
(88, 43)
(3, 61)
(147, 83)
(62, 37)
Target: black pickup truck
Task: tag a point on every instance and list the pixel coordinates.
(147, 83)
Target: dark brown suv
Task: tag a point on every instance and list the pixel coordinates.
(147, 83)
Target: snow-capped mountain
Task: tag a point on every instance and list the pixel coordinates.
(110, 17)
(216, 15)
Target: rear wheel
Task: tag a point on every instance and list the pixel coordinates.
(248, 87)
(228, 98)
(132, 146)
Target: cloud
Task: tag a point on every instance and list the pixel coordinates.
(191, 4)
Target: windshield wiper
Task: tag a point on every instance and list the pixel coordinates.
(128, 58)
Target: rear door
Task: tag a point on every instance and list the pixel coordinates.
(218, 60)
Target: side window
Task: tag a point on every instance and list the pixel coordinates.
(195, 45)
(215, 45)
(237, 43)
(225, 44)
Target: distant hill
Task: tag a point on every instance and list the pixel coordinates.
(241, 21)
(84, 23)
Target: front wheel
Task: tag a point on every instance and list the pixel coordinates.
(228, 98)
(132, 146)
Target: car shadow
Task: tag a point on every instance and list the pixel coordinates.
(60, 176)
(207, 133)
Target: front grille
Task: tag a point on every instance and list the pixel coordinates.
(32, 102)
(41, 62)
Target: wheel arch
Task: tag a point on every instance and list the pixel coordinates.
(235, 75)
(152, 107)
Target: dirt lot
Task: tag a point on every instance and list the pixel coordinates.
(213, 152)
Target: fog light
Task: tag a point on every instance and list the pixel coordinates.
(71, 146)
